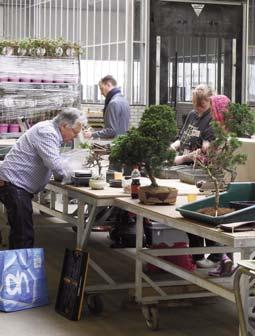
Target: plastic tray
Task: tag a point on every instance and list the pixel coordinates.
(236, 192)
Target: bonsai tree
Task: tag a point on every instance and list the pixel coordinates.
(240, 119)
(95, 159)
(222, 156)
(148, 145)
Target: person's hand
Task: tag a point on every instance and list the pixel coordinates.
(175, 145)
(179, 159)
(205, 146)
(87, 134)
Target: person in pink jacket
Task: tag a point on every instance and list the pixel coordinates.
(219, 105)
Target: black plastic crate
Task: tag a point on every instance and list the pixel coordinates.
(70, 295)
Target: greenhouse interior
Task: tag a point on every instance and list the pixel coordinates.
(127, 154)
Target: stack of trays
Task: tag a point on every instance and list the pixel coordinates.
(81, 178)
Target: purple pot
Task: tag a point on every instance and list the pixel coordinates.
(36, 80)
(47, 80)
(58, 81)
(13, 128)
(25, 79)
(4, 128)
(73, 81)
(13, 79)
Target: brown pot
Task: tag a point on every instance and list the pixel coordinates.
(157, 195)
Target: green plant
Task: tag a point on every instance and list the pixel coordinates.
(148, 145)
(239, 119)
(222, 156)
(49, 44)
(24, 44)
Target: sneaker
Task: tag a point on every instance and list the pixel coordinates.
(225, 269)
(206, 263)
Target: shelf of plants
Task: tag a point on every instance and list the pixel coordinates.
(36, 88)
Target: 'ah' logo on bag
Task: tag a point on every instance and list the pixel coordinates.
(14, 283)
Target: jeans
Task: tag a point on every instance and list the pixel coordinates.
(197, 241)
(18, 204)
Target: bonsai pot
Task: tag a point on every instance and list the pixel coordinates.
(157, 195)
(22, 51)
(97, 184)
(25, 79)
(36, 80)
(47, 80)
(192, 176)
(236, 192)
(14, 79)
(70, 52)
(40, 52)
(59, 51)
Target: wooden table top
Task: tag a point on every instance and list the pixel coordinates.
(167, 214)
(110, 192)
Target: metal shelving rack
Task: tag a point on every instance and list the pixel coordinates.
(37, 88)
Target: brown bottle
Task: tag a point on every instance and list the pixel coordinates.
(135, 185)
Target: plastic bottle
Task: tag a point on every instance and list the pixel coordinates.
(135, 185)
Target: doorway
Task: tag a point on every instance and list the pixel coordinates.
(192, 44)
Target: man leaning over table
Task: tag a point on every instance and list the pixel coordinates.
(28, 167)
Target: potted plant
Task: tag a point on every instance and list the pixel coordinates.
(95, 159)
(23, 46)
(9, 47)
(148, 146)
(3, 47)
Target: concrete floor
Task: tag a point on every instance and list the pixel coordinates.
(121, 316)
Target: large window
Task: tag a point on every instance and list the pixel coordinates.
(112, 32)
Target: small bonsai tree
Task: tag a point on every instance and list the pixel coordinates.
(148, 145)
(95, 159)
(240, 119)
(222, 157)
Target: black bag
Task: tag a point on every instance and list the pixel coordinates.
(70, 295)
(123, 233)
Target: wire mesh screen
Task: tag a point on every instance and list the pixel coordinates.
(112, 32)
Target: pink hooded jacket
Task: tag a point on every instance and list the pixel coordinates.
(219, 105)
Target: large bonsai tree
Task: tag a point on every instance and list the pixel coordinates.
(148, 145)
(222, 157)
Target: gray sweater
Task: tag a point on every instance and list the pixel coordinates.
(116, 118)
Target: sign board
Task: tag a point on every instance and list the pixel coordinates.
(197, 8)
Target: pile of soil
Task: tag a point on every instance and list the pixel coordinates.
(210, 211)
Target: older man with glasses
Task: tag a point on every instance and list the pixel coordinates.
(28, 167)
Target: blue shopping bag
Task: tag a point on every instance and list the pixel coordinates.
(23, 282)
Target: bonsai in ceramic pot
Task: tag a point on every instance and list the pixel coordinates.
(148, 146)
(97, 182)
(96, 159)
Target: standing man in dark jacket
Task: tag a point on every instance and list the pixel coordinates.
(116, 111)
